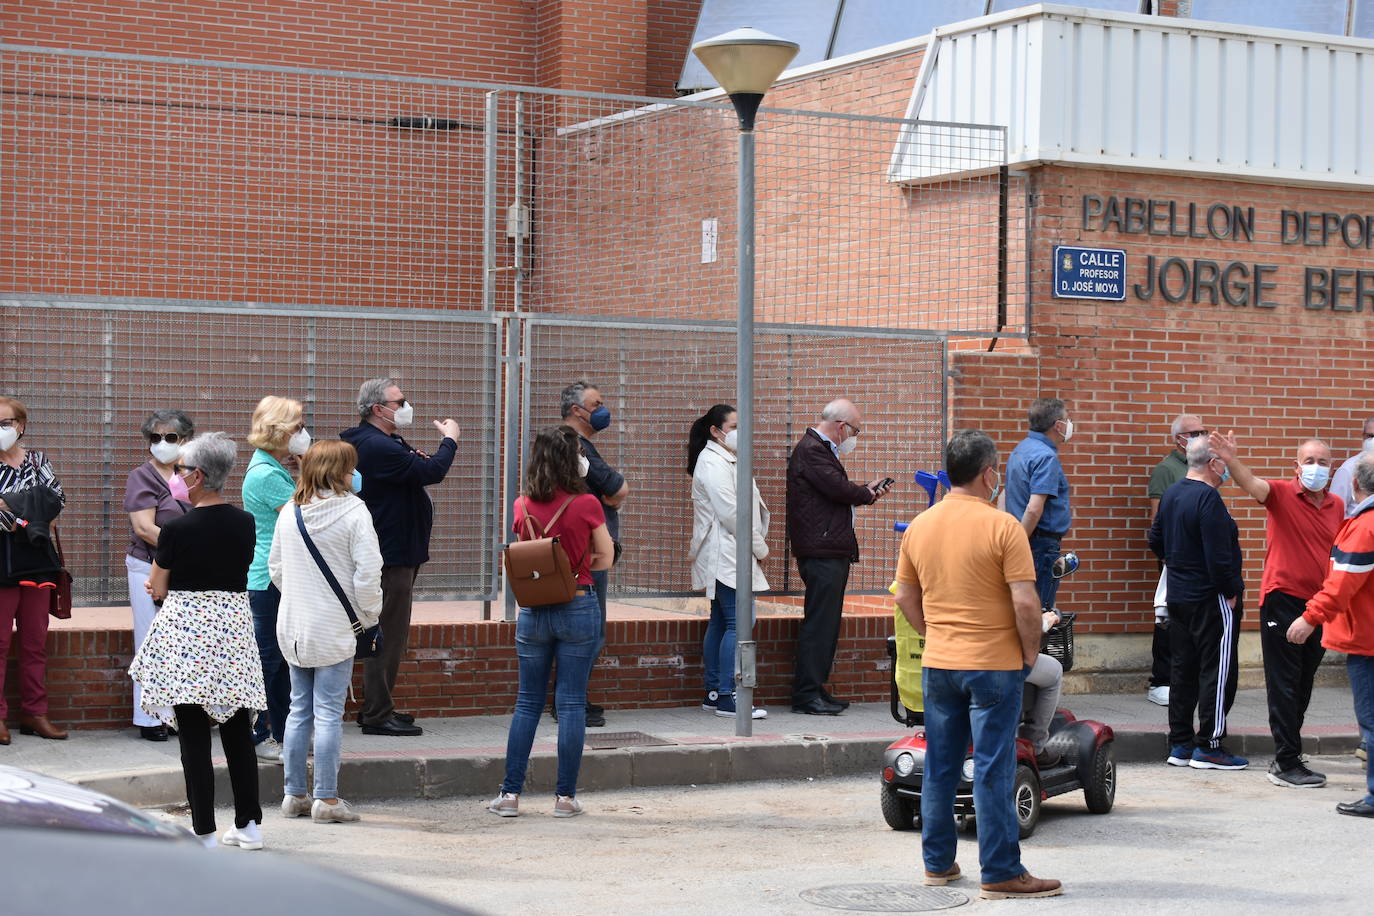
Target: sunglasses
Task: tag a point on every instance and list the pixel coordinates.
(173, 438)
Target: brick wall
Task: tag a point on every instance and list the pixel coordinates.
(471, 670)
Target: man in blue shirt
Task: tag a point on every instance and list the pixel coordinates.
(1038, 491)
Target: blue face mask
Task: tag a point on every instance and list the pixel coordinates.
(357, 482)
(600, 418)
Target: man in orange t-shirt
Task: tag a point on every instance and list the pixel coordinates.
(966, 582)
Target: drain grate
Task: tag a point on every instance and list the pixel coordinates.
(885, 898)
(602, 741)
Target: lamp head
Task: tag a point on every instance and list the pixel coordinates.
(746, 62)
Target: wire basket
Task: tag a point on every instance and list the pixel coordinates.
(1058, 642)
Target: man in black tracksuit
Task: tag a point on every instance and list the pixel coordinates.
(1197, 540)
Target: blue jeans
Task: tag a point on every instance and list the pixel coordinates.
(984, 706)
(317, 704)
(276, 679)
(718, 649)
(1361, 671)
(1044, 551)
(568, 634)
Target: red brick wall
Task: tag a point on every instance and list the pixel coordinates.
(1274, 375)
(471, 669)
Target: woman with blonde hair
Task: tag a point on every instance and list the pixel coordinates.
(279, 435)
(314, 630)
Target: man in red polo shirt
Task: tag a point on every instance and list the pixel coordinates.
(1301, 521)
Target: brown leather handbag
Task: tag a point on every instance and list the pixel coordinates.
(537, 566)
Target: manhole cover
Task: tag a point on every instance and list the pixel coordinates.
(606, 740)
(885, 898)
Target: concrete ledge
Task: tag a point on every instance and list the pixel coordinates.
(447, 776)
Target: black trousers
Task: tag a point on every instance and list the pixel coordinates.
(1203, 638)
(236, 737)
(825, 579)
(379, 671)
(1161, 659)
(1288, 673)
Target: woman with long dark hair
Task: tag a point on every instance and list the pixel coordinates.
(568, 633)
(712, 463)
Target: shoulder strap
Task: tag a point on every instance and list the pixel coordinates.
(328, 573)
(559, 514)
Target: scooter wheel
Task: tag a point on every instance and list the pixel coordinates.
(1026, 794)
(1100, 787)
(899, 812)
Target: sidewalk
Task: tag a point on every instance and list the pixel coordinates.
(465, 756)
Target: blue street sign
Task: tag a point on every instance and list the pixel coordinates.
(1089, 273)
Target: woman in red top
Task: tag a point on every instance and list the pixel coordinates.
(568, 633)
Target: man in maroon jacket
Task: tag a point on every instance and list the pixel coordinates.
(820, 524)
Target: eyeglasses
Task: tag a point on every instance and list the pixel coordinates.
(173, 438)
(1193, 434)
(183, 468)
(399, 402)
(854, 430)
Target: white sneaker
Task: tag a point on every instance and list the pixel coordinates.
(208, 840)
(269, 751)
(1158, 696)
(340, 813)
(292, 806)
(248, 837)
(506, 804)
(567, 806)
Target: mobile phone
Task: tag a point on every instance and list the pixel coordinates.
(887, 482)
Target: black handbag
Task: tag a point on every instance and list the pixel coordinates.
(370, 639)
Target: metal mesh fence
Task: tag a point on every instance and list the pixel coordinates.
(657, 380)
(199, 234)
(90, 375)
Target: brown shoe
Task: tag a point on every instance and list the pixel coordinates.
(1024, 886)
(4, 734)
(40, 726)
(941, 878)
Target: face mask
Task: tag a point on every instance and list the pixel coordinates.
(8, 437)
(1068, 430)
(178, 488)
(583, 465)
(1314, 476)
(1369, 444)
(403, 415)
(848, 446)
(732, 440)
(299, 442)
(995, 490)
(1225, 474)
(165, 452)
(357, 482)
(600, 418)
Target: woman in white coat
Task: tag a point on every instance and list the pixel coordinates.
(711, 462)
(313, 629)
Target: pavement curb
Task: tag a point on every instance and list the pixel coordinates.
(372, 776)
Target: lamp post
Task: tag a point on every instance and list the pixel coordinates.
(745, 62)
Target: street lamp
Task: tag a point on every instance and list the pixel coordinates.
(745, 62)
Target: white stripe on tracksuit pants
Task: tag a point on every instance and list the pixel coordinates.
(1203, 638)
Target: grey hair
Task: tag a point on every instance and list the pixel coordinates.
(180, 423)
(1045, 412)
(213, 455)
(1176, 428)
(967, 454)
(1199, 453)
(371, 393)
(1364, 475)
(572, 397)
(839, 410)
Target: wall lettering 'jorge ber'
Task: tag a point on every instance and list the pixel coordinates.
(1239, 282)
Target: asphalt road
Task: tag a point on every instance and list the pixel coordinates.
(1178, 840)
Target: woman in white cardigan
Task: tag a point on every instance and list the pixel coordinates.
(313, 630)
(711, 462)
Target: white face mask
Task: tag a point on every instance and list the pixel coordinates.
(583, 465)
(299, 442)
(165, 452)
(848, 445)
(8, 437)
(1314, 476)
(1068, 430)
(404, 415)
(732, 440)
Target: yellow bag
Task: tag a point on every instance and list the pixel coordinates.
(910, 647)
